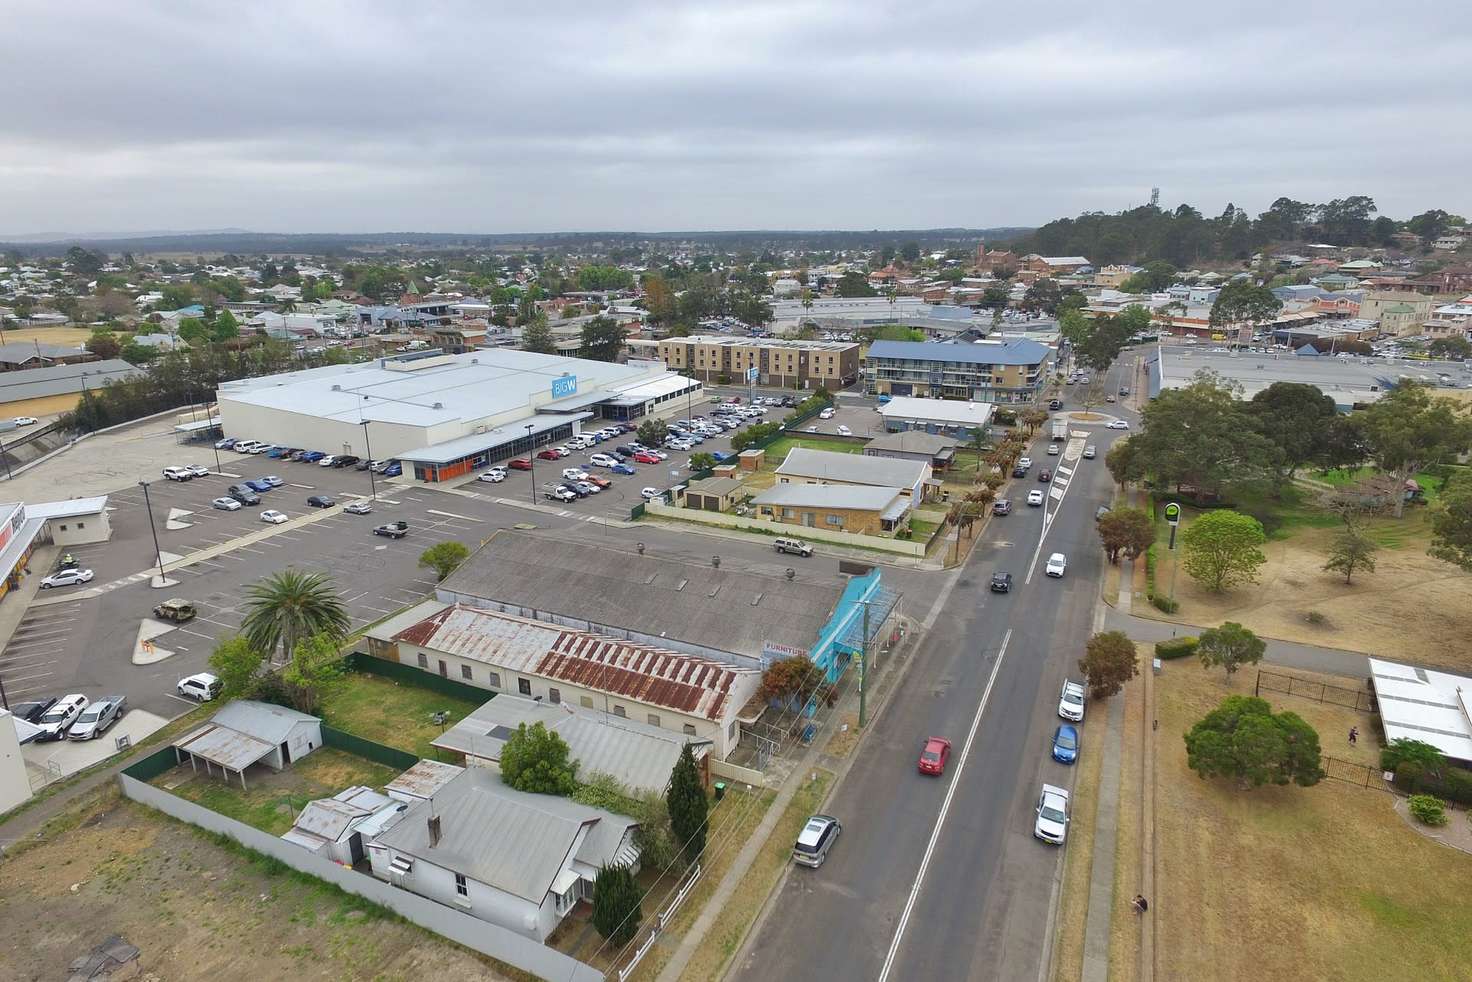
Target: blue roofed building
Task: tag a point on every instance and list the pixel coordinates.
(1013, 370)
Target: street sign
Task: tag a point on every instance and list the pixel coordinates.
(1173, 514)
(752, 374)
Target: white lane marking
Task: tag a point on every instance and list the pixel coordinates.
(450, 514)
(940, 819)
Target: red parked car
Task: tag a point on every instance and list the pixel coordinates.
(602, 482)
(645, 458)
(934, 756)
(520, 463)
(549, 455)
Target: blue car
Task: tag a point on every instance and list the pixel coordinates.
(623, 469)
(393, 470)
(1065, 744)
(313, 456)
(276, 453)
(226, 444)
(259, 486)
(721, 456)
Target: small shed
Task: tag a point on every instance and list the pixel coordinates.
(751, 460)
(712, 493)
(420, 782)
(247, 732)
(334, 827)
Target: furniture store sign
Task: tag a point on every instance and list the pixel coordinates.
(564, 386)
(772, 651)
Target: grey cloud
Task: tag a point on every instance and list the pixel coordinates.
(643, 115)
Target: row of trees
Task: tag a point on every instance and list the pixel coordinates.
(1184, 237)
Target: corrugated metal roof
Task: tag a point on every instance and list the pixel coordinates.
(860, 497)
(424, 778)
(224, 747)
(657, 676)
(853, 468)
(1420, 704)
(262, 720)
(511, 840)
(1017, 351)
(33, 383)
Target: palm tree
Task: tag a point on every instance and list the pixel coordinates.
(289, 606)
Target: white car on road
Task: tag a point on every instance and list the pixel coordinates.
(1057, 565)
(650, 494)
(24, 421)
(67, 577)
(1071, 701)
(1089, 452)
(1118, 424)
(1035, 497)
(273, 517)
(1052, 822)
(495, 475)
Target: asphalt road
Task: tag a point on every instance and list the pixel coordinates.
(983, 893)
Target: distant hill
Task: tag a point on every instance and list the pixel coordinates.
(312, 243)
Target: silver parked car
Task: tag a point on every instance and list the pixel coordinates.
(97, 717)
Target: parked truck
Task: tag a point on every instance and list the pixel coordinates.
(1060, 428)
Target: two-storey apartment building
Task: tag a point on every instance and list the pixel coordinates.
(789, 364)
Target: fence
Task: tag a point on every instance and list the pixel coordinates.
(472, 932)
(1352, 773)
(1360, 699)
(361, 661)
(376, 752)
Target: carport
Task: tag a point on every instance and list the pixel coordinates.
(220, 746)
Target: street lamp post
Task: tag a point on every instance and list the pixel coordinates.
(368, 449)
(148, 505)
(531, 460)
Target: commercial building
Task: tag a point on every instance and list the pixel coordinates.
(904, 414)
(1010, 371)
(18, 356)
(829, 467)
(58, 388)
(1399, 312)
(861, 509)
(22, 526)
(446, 415)
(1351, 381)
(788, 364)
(508, 857)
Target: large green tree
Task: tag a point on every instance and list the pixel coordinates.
(313, 672)
(536, 335)
(853, 284)
(688, 805)
(1351, 551)
(1241, 302)
(1202, 437)
(1451, 524)
(1127, 530)
(444, 557)
(616, 904)
(537, 760)
(1243, 739)
(237, 663)
(1229, 646)
(1297, 418)
(1153, 278)
(289, 606)
(603, 339)
(1222, 548)
(1409, 428)
(1109, 661)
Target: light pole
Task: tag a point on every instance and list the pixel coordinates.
(147, 504)
(531, 461)
(219, 467)
(368, 449)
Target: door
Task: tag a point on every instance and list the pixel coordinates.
(444, 672)
(809, 519)
(285, 753)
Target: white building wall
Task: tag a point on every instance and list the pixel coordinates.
(484, 901)
(304, 737)
(15, 785)
(79, 530)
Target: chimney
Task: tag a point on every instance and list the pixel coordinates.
(434, 831)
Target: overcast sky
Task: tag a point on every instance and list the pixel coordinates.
(499, 117)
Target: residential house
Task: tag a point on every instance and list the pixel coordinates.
(508, 857)
(1008, 371)
(935, 449)
(1447, 320)
(1449, 242)
(861, 509)
(503, 652)
(1452, 279)
(422, 781)
(639, 756)
(805, 466)
(336, 827)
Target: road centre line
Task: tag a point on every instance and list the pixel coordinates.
(940, 819)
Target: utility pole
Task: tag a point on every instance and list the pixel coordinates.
(531, 461)
(147, 504)
(372, 484)
(864, 669)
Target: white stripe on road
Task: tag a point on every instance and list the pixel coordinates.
(940, 819)
(448, 514)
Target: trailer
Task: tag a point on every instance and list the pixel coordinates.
(1060, 428)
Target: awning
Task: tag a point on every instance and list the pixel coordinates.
(467, 446)
(565, 881)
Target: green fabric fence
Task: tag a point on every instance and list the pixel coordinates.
(361, 661)
(150, 767)
(367, 749)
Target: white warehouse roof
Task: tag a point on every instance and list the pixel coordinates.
(949, 411)
(1420, 704)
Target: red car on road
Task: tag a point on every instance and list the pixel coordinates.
(549, 455)
(645, 458)
(520, 463)
(934, 756)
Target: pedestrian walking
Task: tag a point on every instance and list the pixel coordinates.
(1354, 735)
(1140, 904)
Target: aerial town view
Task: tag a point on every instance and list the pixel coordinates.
(667, 492)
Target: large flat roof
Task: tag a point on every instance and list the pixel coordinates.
(949, 411)
(1347, 380)
(1421, 704)
(1013, 351)
(434, 389)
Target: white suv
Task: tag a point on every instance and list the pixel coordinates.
(1071, 701)
(1057, 565)
(201, 688)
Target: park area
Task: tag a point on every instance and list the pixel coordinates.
(1295, 599)
(1282, 883)
(199, 907)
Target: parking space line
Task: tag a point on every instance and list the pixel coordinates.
(30, 678)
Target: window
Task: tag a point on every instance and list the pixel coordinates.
(731, 731)
(495, 680)
(81, 525)
(554, 696)
(653, 719)
(465, 671)
(619, 712)
(461, 887)
(63, 528)
(586, 702)
(524, 686)
(689, 729)
(423, 660)
(834, 519)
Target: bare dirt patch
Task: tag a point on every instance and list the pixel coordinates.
(199, 910)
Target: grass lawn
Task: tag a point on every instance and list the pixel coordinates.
(777, 451)
(1291, 883)
(270, 801)
(922, 528)
(393, 713)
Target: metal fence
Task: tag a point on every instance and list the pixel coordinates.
(1352, 773)
(376, 752)
(1338, 695)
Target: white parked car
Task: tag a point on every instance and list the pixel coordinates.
(201, 688)
(273, 517)
(67, 577)
(25, 421)
(59, 717)
(602, 460)
(362, 507)
(844, 431)
(327, 461)
(649, 494)
(494, 476)
(1035, 497)
(1057, 565)
(226, 504)
(826, 414)
(1052, 822)
(1118, 424)
(1071, 701)
(573, 474)
(197, 471)
(177, 473)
